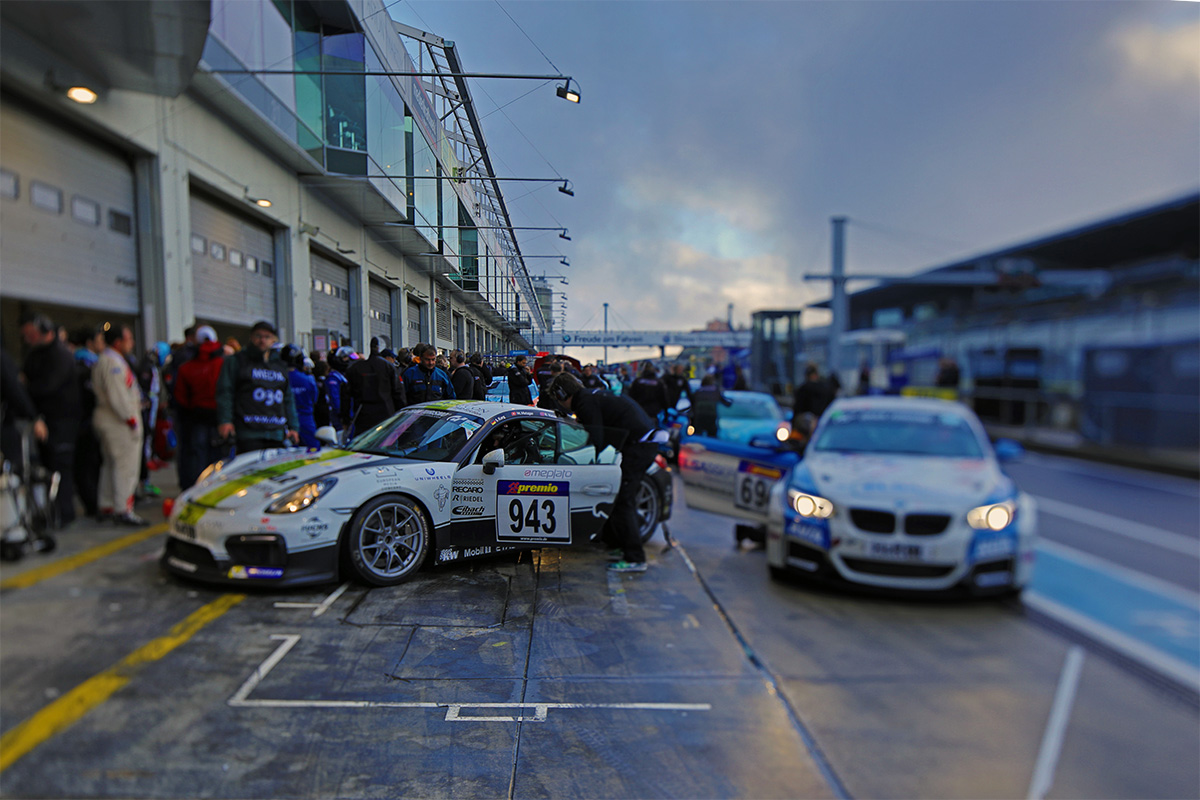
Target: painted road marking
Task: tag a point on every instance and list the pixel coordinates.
(1130, 576)
(1056, 727)
(1146, 534)
(39, 574)
(318, 608)
(454, 711)
(70, 707)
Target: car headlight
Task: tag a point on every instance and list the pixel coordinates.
(783, 432)
(301, 498)
(809, 505)
(210, 470)
(994, 517)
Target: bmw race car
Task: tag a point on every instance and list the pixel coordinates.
(892, 492)
(456, 479)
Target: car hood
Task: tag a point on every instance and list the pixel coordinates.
(253, 479)
(901, 481)
(743, 430)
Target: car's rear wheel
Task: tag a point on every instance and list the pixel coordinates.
(649, 508)
(387, 540)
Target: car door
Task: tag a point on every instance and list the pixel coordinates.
(733, 479)
(554, 489)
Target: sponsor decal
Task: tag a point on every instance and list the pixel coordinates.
(547, 473)
(465, 491)
(441, 495)
(314, 527)
(998, 578)
(992, 546)
(533, 511)
(246, 573)
(467, 511)
(527, 488)
(761, 470)
(185, 530)
(451, 554)
(813, 533)
(430, 471)
(472, 499)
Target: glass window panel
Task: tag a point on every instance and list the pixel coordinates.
(46, 197)
(216, 250)
(10, 184)
(448, 217)
(120, 222)
(235, 258)
(425, 192)
(385, 134)
(199, 243)
(345, 95)
(267, 269)
(85, 211)
(251, 263)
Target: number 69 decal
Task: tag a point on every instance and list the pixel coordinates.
(533, 511)
(752, 490)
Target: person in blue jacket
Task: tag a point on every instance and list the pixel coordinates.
(304, 393)
(423, 381)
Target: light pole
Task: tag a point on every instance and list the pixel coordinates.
(606, 335)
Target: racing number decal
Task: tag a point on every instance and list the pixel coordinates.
(752, 489)
(533, 511)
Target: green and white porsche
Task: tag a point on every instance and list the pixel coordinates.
(441, 481)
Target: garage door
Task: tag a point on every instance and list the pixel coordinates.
(381, 313)
(413, 321)
(233, 264)
(67, 206)
(330, 297)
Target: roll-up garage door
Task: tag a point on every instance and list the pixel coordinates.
(381, 313)
(233, 265)
(413, 320)
(67, 206)
(330, 296)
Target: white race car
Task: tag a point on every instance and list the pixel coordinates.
(892, 492)
(457, 479)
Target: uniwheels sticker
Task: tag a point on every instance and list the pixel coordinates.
(533, 511)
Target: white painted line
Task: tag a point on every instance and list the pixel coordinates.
(454, 713)
(319, 608)
(1182, 672)
(1167, 540)
(1134, 578)
(1056, 727)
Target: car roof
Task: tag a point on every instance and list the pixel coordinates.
(896, 402)
(483, 409)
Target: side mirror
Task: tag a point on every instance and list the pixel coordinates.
(1008, 450)
(327, 436)
(493, 461)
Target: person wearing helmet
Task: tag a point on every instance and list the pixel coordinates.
(304, 393)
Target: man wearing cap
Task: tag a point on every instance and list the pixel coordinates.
(607, 416)
(196, 406)
(254, 398)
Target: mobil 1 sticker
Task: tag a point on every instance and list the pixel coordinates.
(752, 488)
(533, 511)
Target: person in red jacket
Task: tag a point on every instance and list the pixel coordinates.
(196, 399)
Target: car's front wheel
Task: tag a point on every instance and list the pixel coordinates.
(387, 540)
(648, 505)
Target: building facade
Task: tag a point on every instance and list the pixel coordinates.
(308, 162)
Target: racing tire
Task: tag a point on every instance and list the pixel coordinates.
(387, 540)
(649, 508)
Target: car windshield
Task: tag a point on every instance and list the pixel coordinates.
(898, 432)
(750, 407)
(427, 434)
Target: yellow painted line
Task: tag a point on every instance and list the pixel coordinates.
(66, 710)
(29, 578)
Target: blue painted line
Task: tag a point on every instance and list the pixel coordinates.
(1166, 622)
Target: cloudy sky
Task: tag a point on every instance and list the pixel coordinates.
(715, 140)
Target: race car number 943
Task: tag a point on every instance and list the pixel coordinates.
(533, 511)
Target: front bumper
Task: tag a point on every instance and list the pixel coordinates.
(255, 560)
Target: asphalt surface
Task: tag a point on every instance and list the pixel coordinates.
(538, 677)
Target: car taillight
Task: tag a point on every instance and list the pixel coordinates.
(662, 462)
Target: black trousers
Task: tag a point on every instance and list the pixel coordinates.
(636, 458)
(58, 455)
(87, 468)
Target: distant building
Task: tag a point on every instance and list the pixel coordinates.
(245, 160)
